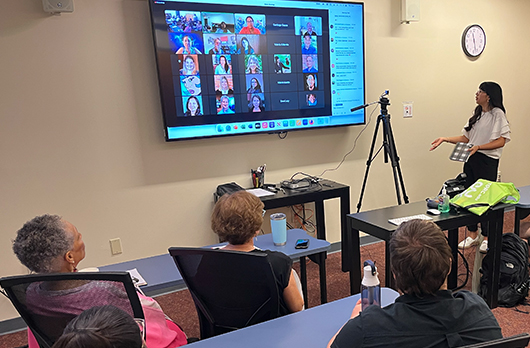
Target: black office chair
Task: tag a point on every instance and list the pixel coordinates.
(230, 289)
(47, 316)
(517, 341)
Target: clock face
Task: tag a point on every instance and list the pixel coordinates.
(473, 40)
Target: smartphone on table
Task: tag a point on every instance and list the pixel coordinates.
(301, 244)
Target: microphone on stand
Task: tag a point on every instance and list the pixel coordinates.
(359, 107)
(366, 105)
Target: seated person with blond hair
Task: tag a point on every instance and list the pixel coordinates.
(237, 219)
(427, 314)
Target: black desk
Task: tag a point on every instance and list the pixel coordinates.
(375, 222)
(329, 189)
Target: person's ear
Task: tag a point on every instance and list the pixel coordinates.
(69, 257)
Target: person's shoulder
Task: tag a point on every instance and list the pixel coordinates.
(471, 299)
(467, 295)
(497, 112)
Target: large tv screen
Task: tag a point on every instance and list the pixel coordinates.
(230, 67)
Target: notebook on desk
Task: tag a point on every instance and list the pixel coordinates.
(400, 220)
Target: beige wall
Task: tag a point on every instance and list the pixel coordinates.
(81, 125)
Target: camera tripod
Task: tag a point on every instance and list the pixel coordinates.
(389, 147)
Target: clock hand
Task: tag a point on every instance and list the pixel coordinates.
(474, 45)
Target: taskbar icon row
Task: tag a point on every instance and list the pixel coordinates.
(275, 125)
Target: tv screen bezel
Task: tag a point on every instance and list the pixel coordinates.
(163, 88)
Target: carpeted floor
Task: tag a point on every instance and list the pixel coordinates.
(179, 305)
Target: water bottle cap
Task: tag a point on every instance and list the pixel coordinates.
(370, 279)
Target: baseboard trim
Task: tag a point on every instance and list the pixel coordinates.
(12, 325)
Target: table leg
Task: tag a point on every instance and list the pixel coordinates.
(323, 281)
(354, 259)
(303, 280)
(495, 246)
(345, 236)
(452, 236)
(320, 219)
(520, 213)
(389, 278)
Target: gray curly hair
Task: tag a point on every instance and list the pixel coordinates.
(40, 243)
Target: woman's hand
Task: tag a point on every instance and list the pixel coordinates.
(474, 149)
(436, 143)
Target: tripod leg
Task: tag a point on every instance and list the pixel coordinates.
(391, 153)
(368, 163)
(395, 163)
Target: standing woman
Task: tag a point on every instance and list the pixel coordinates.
(488, 130)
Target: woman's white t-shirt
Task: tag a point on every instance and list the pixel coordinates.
(491, 125)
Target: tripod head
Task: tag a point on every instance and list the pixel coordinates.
(384, 101)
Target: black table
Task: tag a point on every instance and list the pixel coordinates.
(327, 190)
(375, 223)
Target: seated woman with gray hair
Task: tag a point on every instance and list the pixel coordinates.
(237, 219)
(49, 244)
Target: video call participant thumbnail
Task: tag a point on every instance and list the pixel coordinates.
(309, 63)
(311, 99)
(221, 65)
(309, 44)
(254, 64)
(190, 65)
(282, 64)
(190, 85)
(254, 86)
(310, 82)
(187, 47)
(224, 84)
(249, 28)
(256, 104)
(225, 106)
(245, 47)
(193, 106)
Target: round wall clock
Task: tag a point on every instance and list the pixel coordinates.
(473, 40)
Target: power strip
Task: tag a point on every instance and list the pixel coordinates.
(295, 184)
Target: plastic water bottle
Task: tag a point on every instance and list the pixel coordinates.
(443, 201)
(370, 286)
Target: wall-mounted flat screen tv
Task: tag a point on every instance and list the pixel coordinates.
(230, 67)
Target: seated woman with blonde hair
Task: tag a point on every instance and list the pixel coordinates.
(237, 219)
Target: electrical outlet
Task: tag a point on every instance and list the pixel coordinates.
(407, 109)
(115, 246)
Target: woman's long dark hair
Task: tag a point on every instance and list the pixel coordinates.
(226, 67)
(494, 91)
